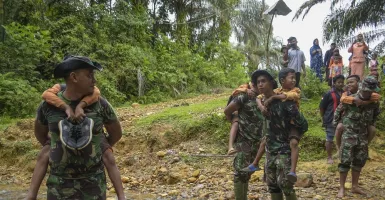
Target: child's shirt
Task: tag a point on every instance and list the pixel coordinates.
(241, 89)
(50, 95)
(347, 99)
(293, 94)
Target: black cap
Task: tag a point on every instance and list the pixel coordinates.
(72, 63)
(258, 73)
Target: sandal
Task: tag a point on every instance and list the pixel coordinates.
(251, 168)
(292, 177)
(231, 152)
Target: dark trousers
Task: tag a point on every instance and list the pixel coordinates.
(327, 72)
(297, 79)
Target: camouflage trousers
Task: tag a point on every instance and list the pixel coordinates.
(247, 151)
(276, 169)
(94, 187)
(354, 152)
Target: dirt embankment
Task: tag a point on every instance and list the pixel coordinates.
(157, 161)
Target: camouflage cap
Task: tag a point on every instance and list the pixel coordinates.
(257, 73)
(369, 84)
(71, 63)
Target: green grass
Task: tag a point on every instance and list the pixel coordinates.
(310, 110)
(312, 144)
(185, 114)
(6, 121)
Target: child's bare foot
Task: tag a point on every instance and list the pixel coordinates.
(341, 193)
(231, 151)
(358, 190)
(330, 161)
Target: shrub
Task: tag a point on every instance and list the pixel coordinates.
(311, 85)
(17, 97)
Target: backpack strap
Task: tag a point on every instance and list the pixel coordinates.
(334, 97)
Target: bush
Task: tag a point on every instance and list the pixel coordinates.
(311, 85)
(17, 97)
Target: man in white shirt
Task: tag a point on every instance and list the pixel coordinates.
(296, 60)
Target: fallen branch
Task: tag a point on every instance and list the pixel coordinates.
(212, 155)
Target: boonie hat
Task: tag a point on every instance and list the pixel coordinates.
(71, 63)
(257, 73)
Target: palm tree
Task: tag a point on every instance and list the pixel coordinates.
(345, 20)
(251, 30)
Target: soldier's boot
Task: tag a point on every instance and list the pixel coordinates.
(292, 196)
(276, 196)
(240, 190)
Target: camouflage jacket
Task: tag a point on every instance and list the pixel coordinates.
(356, 118)
(250, 118)
(282, 117)
(68, 163)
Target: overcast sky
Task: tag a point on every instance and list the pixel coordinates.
(304, 30)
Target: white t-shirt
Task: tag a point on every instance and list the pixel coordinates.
(296, 59)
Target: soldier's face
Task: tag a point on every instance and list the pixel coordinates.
(85, 81)
(352, 84)
(263, 84)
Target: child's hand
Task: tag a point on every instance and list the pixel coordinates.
(70, 113)
(267, 101)
(249, 93)
(264, 111)
(79, 114)
(358, 101)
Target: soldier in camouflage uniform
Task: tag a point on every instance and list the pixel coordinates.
(354, 147)
(282, 122)
(77, 174)
(247, 138)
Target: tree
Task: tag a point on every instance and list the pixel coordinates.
(251, 30)
(345, 20)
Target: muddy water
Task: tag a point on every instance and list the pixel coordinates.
(15, 192)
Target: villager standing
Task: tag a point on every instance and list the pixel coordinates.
(316, 63)
(357, 64)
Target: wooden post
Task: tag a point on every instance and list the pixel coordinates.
(267, 43)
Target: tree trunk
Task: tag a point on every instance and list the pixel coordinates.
(181, 26)
(2, 31)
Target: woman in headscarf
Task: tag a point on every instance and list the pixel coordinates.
(357, 64)
(316, 59)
